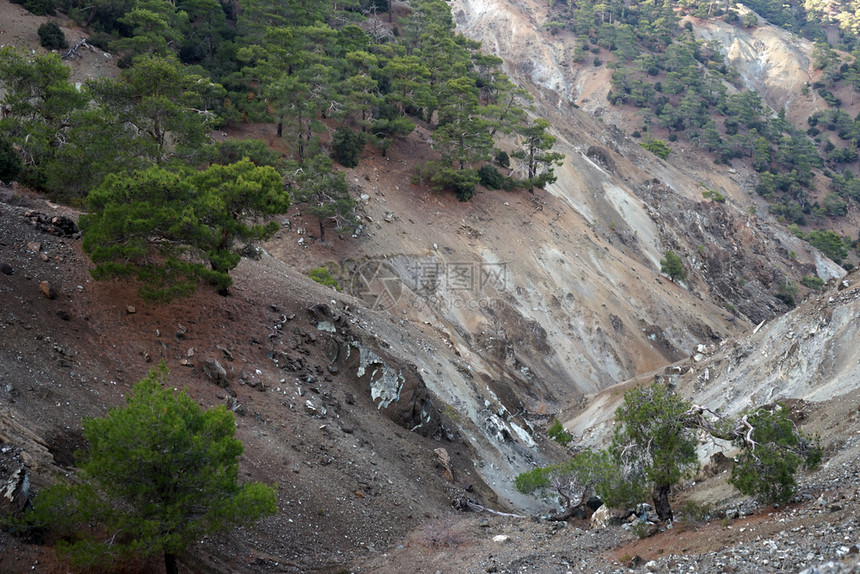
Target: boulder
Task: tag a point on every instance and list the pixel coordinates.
(601, 518)
(216, 373)
(15, 493)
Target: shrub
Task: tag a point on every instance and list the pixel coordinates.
(161, 472)
(787, 292)
(491, 178)
(830, 243)
(557, 433)
(502, 159)
(347, 146)
(814, 283)
(714, 195)
(657, 147)
(231, 151)
(38, 7)
(51, 37)
(100, 40)
(769, 473)
(322, 276)
(673, 266)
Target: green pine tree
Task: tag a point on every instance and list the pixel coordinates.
(157, 474)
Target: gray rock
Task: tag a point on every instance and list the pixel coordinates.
(227, 354)
(601, 518)
(15, 493)
(216, 373)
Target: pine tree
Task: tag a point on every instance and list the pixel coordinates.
(164, 227)
(157, 474)
(673, 267)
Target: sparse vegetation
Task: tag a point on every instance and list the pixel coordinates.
(654, 448)
(657, 147)
(814, 283)
(673, 266)
(557, 433)
(322, 276)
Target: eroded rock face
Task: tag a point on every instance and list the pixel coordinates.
(398, 390)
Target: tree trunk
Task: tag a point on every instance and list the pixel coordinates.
(280, 129)
(322, 229)
(661, 502)
(170, 563)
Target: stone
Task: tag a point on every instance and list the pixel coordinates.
(43, 256)
(47, 290)
(34, 246)
(501, 538)
(15, 493)
(130, 309)
(216, 373)
(5, 268)
(601, 517)
(226, 352)
(444, 460)
(64, 225)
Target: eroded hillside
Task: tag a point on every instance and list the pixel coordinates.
(462, 326)
(547, 296)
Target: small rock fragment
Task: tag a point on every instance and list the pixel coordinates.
(47, 290)
(444, 460)
(227, 354)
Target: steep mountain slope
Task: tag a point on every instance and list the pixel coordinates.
(462, 326)
(808, 354)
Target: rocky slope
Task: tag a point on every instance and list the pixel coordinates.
(462, 327)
